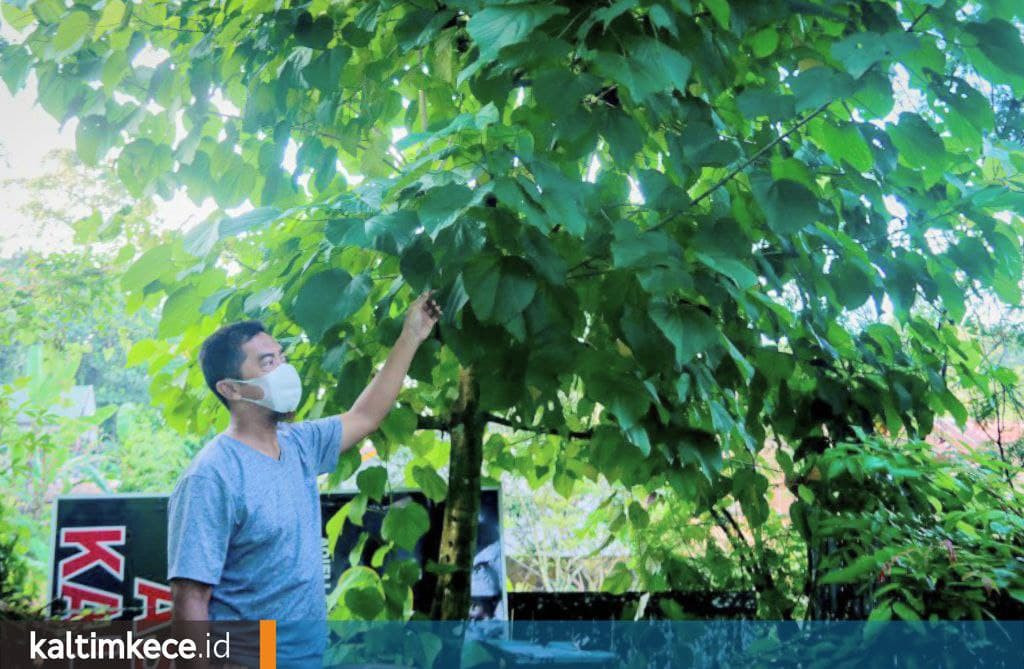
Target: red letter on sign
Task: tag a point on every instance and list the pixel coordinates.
(95, 549)
(80, 596)
(156, 604)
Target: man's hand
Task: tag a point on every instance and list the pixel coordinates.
(422, 315)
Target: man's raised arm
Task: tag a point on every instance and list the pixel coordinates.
(378, 398)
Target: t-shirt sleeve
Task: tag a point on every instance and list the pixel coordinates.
(200, 518)
(321, 439)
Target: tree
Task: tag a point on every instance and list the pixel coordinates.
(614, 201)
(62, 323)
(68, 298)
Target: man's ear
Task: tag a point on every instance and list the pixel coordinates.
(228, 389)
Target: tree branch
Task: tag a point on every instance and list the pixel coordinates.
(492, 418)
(760, 152)
(913, 24)
(432, 423)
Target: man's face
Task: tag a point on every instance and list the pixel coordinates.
(262, 355)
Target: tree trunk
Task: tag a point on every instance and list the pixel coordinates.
(458, 536)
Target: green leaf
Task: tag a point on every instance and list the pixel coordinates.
(757, 102)
(260, 300)
(200, 239)
(634, 247)
(512, 194)
(235, 184)
(618, 580)
(377, 560)
(441, 206)
(1001, 44)
(315, 34)
(405, 571)
(788, 207)
(147, 268)
(624, 135)
(366, 603)
(700, 143)
(637, 515)
(487, 278)
(814, 87)
(919, 145)
(47, 11)
(563, 482)
(72, 32)
(404, 524)
(606, 15)
(689, 330)
(905, 612)
(853, 572)
(955, 408)
(543, 256)
(563, 199)
(110, 18)
(749, 488)
(860, 51)
(372, 482)
(14, 65)
(701, 448)
(882, 612)
(255, 219)
(482, 276)
(719, 10)
(357, 508)
(417, 263)
(400, 423)
(742, 363)
(972, 115)
(327, 298)
(731, 267)
(179, 311)
(324, 71)
(18, 16)
(844, 143)
(93, 138)
(390, 233)
(651, 67)
(432, 485)
(494, 28)
(764, 42)
(661, 18)
(141, 163)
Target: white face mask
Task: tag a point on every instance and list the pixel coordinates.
(282, 388)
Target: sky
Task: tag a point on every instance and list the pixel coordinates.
(27, 135)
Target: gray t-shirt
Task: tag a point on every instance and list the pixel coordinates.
(249, 525)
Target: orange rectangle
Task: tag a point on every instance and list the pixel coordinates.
(268, 644)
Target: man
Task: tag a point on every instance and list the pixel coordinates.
(244, 520)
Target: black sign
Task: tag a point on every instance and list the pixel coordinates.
(110, 554)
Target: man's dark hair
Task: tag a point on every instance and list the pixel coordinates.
(221, 355)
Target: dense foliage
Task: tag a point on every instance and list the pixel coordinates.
(663, 231)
